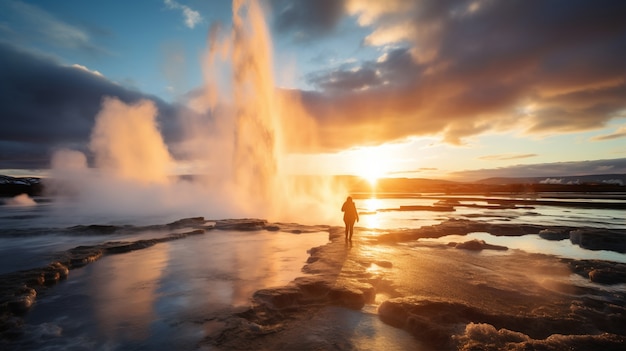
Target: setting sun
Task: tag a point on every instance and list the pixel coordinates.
(371, 164)
(371, 173)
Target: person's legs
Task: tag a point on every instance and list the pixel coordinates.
(350, 230)
(347, 229)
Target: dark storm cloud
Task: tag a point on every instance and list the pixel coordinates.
(460, 68)
(45, 105)
(306, 19)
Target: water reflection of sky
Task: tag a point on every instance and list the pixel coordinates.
(534, 244)
(378, 213)
(25, 251)
(375, 214)
(155, 297)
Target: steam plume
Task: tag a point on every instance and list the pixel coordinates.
(238, 138)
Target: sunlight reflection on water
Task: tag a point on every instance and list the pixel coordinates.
(155, 296)
(383, 213)
(534, 244)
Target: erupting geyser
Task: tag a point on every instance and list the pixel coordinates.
(237, 132)
(257, 135)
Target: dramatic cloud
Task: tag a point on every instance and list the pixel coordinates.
(461, 68)
(192, 17)
(549, 170)
(45, 105)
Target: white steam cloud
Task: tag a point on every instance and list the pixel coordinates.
(237, 140)
(126, 141)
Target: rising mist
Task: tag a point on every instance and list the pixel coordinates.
(235, 142)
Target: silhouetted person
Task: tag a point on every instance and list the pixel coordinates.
(349, 216)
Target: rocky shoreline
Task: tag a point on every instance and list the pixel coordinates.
(19, 290)
(341, 276)
(423, 289)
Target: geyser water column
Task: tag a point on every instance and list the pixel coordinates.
(257, 135)
(257, 121)
(237, 133)
(259, 126)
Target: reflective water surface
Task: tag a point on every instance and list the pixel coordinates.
(383, 213)
(164, 297)
(158, 298)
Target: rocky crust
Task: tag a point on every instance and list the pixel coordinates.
(343, 276)
(436, 322)
(477, 245)
(601, 272)
(587, 238)
(336, 279)
(19, 290)
(588, 316)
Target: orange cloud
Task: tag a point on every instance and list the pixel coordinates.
(619, 133)
(461, 69)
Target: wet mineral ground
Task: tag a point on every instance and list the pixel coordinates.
(390, 289)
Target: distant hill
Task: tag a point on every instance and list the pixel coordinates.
(12, 186)
(615, 179)
(590, 183)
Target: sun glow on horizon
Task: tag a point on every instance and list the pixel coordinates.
(371, 167)
(410, 158)
(373, 162)
(371, 174)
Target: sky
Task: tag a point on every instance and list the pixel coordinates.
(398, 88)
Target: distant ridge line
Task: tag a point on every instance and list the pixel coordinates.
(590, 178)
